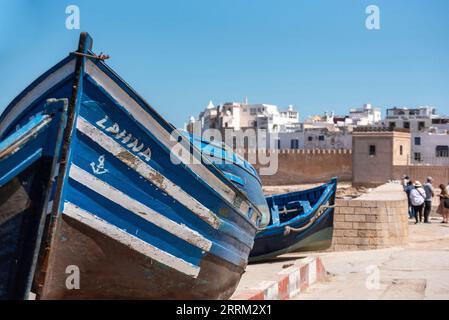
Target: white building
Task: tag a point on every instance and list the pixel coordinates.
(367, 115)
(431, 147)
(415, 119)
(283, 127)
(242, 115)
(314, 138)
(429, 133)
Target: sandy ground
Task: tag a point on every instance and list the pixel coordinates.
(417, 271)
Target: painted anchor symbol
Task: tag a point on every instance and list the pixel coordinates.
(99, 169)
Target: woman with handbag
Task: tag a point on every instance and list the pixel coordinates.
(443, 208)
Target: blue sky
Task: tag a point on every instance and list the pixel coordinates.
(316, 55)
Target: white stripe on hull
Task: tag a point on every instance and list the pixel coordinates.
(138, 208)
(48, 83)
(146, 171)
(129, 240)
(147, 121)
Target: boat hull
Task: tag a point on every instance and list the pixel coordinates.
(108, 269)
(313, 232)
(21, 213)
(27, 166)
(315, 239)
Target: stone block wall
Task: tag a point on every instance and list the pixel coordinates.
(440, 174)
(299, 166)
(373, 221)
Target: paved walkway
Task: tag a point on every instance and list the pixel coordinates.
(418, 271)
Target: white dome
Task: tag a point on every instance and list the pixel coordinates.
(210, 105)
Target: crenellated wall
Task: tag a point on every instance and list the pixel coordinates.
(297, 166)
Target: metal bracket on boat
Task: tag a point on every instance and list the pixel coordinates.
(101, 56)
(320, 211)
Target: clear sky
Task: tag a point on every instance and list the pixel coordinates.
(315, 54)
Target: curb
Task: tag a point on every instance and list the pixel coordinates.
(288, 283)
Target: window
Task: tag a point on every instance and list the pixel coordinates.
(401, 150)
(309, 138)
(294, 144)
(421, 125)
(392, 125)
(278, 143)
(406, 125)
(442, 151)
(417, 141)
(372, 150)
(418, 156)
(321, 138)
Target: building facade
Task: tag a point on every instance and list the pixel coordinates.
(429, 133)
(243, 115)
(367, 115)
(375, 152)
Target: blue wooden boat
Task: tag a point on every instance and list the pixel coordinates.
(27, 166)
(239, 171)
(127, 214)
(300, 221)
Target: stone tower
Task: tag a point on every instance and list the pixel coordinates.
(375, 152)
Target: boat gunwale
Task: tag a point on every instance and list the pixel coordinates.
(15, 140)
(227, 159)
(29, 88)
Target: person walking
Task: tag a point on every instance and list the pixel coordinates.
(444, 198)
(417, 198)
(407, 189)
(429, 197)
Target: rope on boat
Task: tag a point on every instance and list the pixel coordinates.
(101, 56)
(320, 211)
